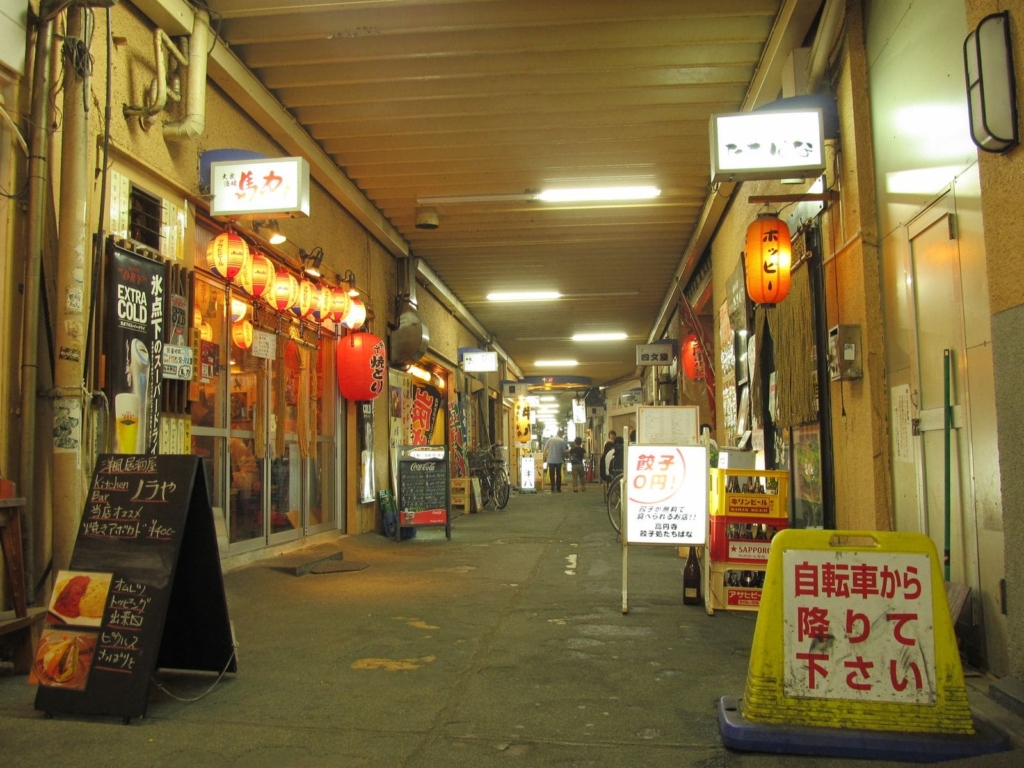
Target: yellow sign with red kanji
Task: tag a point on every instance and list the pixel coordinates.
(854, 631)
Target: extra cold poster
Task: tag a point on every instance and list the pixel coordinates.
(134, 344)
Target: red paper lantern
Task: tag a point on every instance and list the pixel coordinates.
(340, 304)
(768, 260)
(286, 290)
(322, 299)
(355, 316)
(241, 334)
(693, 358)
(227, 255)
(257, 277)
(362, 366)
(303, 305)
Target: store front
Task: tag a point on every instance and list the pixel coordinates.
(265, 418)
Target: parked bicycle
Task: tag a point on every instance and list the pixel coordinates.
(614, 501)
(488, 466)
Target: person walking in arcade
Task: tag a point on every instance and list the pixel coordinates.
(555, 450)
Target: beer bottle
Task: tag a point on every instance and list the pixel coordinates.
(691, 579)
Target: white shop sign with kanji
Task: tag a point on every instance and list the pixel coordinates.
(858, 626)
(666, 494)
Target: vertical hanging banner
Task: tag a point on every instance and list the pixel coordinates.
(426, 407)
(134, 348)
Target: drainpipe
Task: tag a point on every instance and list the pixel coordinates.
(156, 98)
(72, 274)
(192, 125)
(37, 179)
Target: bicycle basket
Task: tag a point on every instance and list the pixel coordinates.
(478, 459)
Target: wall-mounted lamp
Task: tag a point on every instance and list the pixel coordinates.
(991, 88)
(420, 373)
(311, 261)
(268, 229)
(349, 279)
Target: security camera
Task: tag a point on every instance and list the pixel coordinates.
(427, 218)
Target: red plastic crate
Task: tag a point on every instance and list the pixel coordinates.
(755, 551)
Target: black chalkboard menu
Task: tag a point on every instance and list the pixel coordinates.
(143, 590)
(423, 486)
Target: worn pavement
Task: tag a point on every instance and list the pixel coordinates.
(505, 646)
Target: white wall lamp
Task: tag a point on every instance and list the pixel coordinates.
(991, 87)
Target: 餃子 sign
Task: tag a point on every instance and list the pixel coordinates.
(666, 494)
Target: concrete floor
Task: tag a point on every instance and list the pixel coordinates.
(505, 646)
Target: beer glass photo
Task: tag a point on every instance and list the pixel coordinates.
(126, 418)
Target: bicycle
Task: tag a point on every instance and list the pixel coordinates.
(614, 501)
(488, 466)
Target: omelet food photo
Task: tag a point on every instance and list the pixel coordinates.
(80, 597)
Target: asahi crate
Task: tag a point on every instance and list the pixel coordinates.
(771, 502)
(736, 586)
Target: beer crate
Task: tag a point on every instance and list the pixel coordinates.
(727, 547)
(730, 593)
(764, 506)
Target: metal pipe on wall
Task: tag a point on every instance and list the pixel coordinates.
(37, 180)
(73, 275)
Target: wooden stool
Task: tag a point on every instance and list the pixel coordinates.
(25, 625)
(10, 543)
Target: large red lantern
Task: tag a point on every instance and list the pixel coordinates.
(362, 366)
(693, 358)
(768, 260)
(227, 255)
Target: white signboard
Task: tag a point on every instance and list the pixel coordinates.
(479, 362)
(177, 362)
(858, 626)
(654, 354)
(666, 494)
(256, 189)
(770, 144)
(264, 345)
(667, 424)
(527, 479)
(579, 411)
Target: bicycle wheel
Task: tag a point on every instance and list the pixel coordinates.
(486, 490)
(615, 501)
(502, 486)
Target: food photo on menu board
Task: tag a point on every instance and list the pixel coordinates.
(63, 659)
(79, 598)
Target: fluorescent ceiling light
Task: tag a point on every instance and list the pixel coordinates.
(588, 194)
(548, 398)
(556, 363)
(613, 336)
(524, 296)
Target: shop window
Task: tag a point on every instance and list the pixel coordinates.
(144, 217)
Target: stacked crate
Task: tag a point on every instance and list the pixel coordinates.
(742, 525)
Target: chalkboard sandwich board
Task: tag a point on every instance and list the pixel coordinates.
(424, 486)
(144, 590)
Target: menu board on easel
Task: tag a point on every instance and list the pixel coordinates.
(424, 487)
(144, 590)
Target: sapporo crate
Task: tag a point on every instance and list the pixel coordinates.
(737, 549)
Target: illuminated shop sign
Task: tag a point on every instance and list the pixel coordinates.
(771, 144)
(254, 189)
